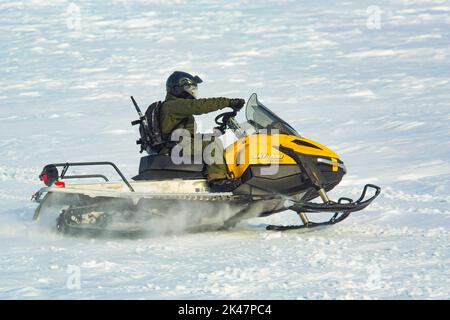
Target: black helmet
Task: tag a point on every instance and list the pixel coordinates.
(183, 85)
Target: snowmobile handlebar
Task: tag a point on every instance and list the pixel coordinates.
(223, 119)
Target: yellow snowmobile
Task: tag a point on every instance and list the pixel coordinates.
(279, 170)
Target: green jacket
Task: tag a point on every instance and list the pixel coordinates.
(177, 113)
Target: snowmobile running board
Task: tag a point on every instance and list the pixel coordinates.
(342, 210)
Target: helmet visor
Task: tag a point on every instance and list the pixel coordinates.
(191, 89)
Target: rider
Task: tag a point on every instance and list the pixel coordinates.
(177, 112)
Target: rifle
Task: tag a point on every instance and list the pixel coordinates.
(143, 121)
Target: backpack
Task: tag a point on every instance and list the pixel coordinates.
(152, 139)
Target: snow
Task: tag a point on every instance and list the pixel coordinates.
(378, 95)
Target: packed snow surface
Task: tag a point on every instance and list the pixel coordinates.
(368, 79)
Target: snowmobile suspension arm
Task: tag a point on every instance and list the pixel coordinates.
(67, 165)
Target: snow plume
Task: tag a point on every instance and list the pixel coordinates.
(149, 217)
(176, 217)
(172, 217)
(17, 222)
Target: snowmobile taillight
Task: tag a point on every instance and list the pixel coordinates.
(44, 178)
(60, 184)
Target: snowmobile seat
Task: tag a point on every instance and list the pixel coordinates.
(160, 167)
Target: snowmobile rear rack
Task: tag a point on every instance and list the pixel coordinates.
(67, 165)
(86, 176)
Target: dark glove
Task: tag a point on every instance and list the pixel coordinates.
(237, 104)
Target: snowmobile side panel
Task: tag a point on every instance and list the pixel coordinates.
(264, 180)
(262, 149)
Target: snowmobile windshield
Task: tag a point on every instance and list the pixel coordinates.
(261, 118)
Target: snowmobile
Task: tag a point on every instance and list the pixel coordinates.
(279, 170)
